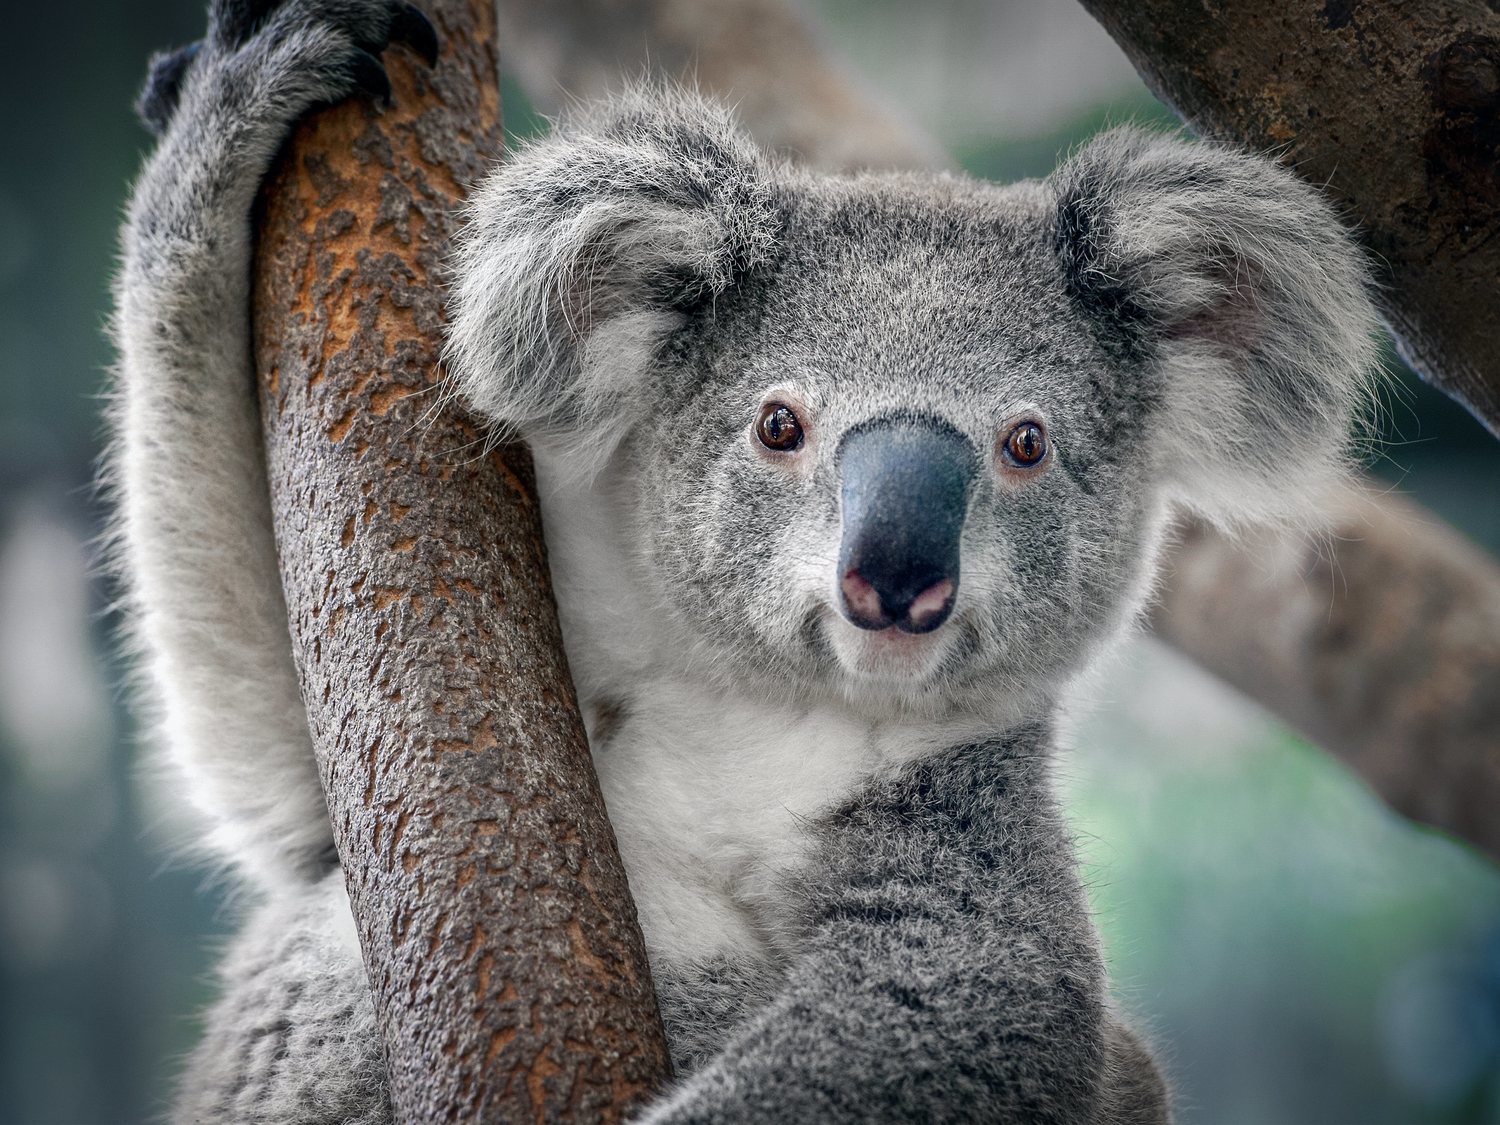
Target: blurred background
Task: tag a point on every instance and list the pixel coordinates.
(1300, 954)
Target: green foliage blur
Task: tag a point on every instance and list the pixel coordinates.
(1301, 954)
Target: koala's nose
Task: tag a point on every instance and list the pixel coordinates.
(905, 493)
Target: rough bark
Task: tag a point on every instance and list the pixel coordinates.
(1370, 646)
(498, 933)
(1402, 685)
(1394, 109)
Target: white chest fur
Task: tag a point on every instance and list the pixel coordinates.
(710, 795)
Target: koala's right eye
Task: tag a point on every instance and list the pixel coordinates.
(778, 427)
(1027, 445)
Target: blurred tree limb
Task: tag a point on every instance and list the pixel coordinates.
(501, 944)
(761, 54)
(1381, 643)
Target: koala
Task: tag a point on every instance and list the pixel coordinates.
(845, 479)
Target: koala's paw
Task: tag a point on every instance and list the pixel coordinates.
(272, 61)
(319, 50)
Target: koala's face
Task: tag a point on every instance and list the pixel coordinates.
(880, 463)
(897, 438)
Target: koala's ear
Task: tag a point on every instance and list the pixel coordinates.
(1231, 287)
(587, 249)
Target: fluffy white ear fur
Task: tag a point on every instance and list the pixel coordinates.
(584, 251)
(1237, 282)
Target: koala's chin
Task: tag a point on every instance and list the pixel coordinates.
(889, 658)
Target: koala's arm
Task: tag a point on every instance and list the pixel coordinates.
(194, 535)
(949, 972)
(292, 1039)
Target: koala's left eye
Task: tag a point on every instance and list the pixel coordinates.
(1027, 445)
(778, 427)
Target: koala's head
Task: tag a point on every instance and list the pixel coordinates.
(899, 437)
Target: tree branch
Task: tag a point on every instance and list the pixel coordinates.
(1346, 649)
(501, 944)
(1381, 644)
(1394, 109)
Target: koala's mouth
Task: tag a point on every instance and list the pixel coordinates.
(889, 656)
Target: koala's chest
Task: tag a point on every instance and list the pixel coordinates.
(713, 802)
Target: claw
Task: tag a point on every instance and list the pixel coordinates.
(369, 72)
(411, 26)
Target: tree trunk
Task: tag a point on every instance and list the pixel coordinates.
(501, 943)
(1352, 660)
(1394, 110)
